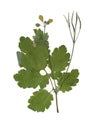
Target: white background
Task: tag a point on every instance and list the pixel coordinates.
(17, 18)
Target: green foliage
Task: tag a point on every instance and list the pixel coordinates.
(27, 79)
(67, 80)
(26, 45)
(36, 60)
(40, 100)
(35, 56)
(59, 60)
(40, 36)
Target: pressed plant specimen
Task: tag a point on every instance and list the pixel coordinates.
(35, 56)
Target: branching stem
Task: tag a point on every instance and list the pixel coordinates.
(73, 35)
(54, 87)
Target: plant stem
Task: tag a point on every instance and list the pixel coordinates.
(44, 27)
(54, 87)
(50, 80)
(56, 97)
(71, 57)
(64, 79)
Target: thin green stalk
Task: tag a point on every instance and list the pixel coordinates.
(50, 80)
(68, 65)
(73, 35)
(56, 97)
(55, 90)
(44, 28)
(77, 35)
(52, 84)
(54, 87)
(50, 61)
(71, 57)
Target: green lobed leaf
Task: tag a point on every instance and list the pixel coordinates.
(25, 60)
(59, 60)
(43, 81)
(40, 100)
(40, 56)
(26, 44)
(37, 60)
(27, 79)
(68, 80)
(40, 36)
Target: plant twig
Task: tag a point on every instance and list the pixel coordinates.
(54, 87)
(73, 35)
(56, 97)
